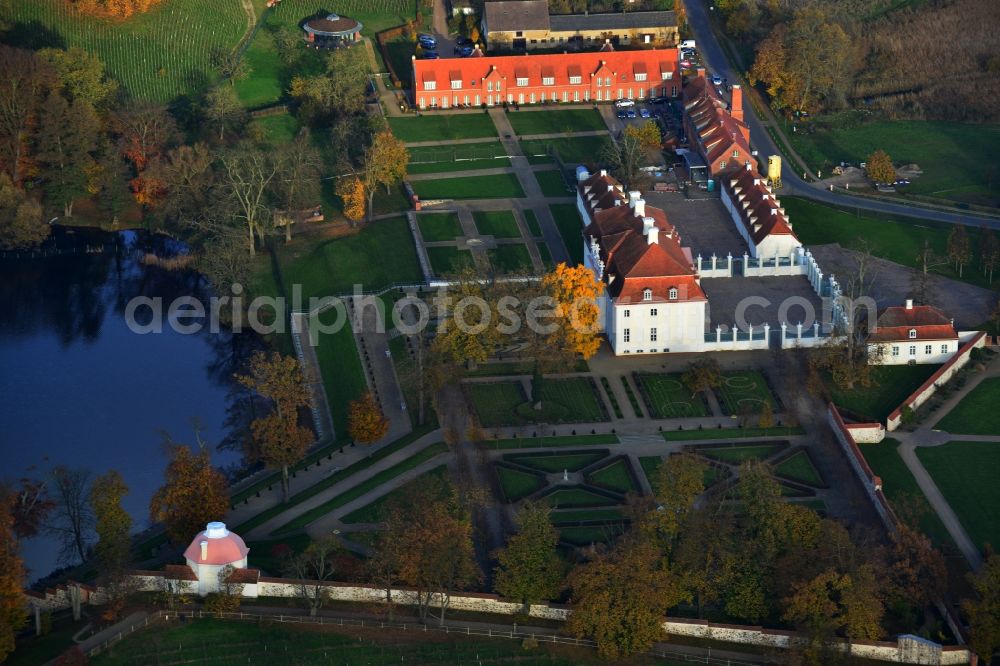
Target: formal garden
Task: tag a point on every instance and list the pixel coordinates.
(563, 400)
(666, 397)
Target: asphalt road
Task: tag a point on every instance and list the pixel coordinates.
(792, 184)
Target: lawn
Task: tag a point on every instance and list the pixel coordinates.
(496, 402)
(439, 226)
(340, 367)
(586, 535)
(897, 239)
(516, 483)
(277, 129)
(502, 186)
(563, 401)
(578, 395)
(373, 513)
(448, 259)
(670, 398)
(156, 56)
(614, 477)
(532, 221)
(977, 413)
(956, 158)
(545, 255)
(551, 463)
(731, 433)
(577, 497)
(572, 151)
(563, 440)
(382, 253)
(526, 123)
(734, 455)
(443, 127)
(496, 223)
(892, 385)
(570, 228)
(799, 467)
(553, 184)
(510, 258)
(745, 392)
(457, 157)
(966, 472)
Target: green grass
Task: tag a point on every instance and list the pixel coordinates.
(563, 440)
(532, 221)
(955, 157)
(510, 258)
(496, 223)
(279, 128)
(268, 73)
(496, 402)
(611, 397)
(577, 497)
(799, 467)
(711, 475)
(731, 433)
(517, 484)
(457, 157)
(444, 127)
(892, 385)
(155, 56)
(563, 401)
(571, 229)
(633, 400)
(977, 413)
(577, 515)
(373, 513)
(614, 477)
(382, 253)
(553, 184)
(578, 395)
(357, 491)
(526, 123)
(557, 462)
(895, 238)
(341, 369)
(447, 260)
(545, 255)
(573, 151)
(735, 455)
(745, 391)
(32, 650)
(439, 226)
(586, 535)
(966, 472)
(506, 368)
(670, 398)
(502, 186)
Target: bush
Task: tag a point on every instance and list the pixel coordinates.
(221, 603)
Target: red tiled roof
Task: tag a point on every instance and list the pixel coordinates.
(179, 572)
(719, 133)
(221, 550)
(894, 324)
(244, 576)
(759, 210)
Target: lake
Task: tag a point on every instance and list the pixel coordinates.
(78, 388)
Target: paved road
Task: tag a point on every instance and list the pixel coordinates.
(792, 183)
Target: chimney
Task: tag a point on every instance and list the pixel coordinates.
(700, 71)
(604, 173)
(633, 196)
(204, 550)
(653, 236)
(736, 107)
(647, 224)
(640, 208)
(749, 167)
(909, 304)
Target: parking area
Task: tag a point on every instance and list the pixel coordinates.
(704, 225)
(755, 301)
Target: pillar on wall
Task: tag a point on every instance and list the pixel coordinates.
(718, 334)
(767, 333)
(816, 329)
(784, 328)
(697, 262)
(798, 330)
(729, 263)
(715, 261)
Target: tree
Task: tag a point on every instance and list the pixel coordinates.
(12, 579)
(81, 75)
(189, 178)
(223, 106)
(230, 64)
(109, 183)
(833, 601)
(224, 260)
(30, 506)
(311, 569)
(247, 172)
(384, 163)
(983, 610)
(621, 597)
(917, 572)
(765, 419)
(679, 481)
(144, 133)
(529, 568)
(989, 251)
(72, 518)
(647, 134)
(112, 524)
(464, 334)
(575, 291)
(297, 183)
(67, 139)
(703, 375)
(21, 221)
(24, 79)
(352, 192)
(959, 247)
(278, 438)
(339, 91)
(626, 159)
(365, 421)
(194, 493)
(879, 167)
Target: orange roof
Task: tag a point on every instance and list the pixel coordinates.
(895, 323)
(179, 572)
(719, 134)
(758, 207)
(223, 547)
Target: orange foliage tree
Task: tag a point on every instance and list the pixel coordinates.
(352, 192)
(194, 494)
(12, 615)
(575, 290)
(366, 423)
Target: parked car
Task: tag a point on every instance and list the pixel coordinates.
(902, 181)
(463, 51)
(645, 113)
(624, 104)
(464, 41)
(621, 115)
(716, 80)
(430, 55)
(630, 113)
(427, 42)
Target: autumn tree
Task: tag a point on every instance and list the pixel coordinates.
(230, 64)
(620, 599)
(12, 580)
(833, 602)
(24, 80)
(113, 525)
(879, 167)
(279, 440)
(338, 91)
(916, 571)
(247, 173)
(678, 482)
(351, 191)
(983, 609)
(81, 75)
(529, 568)
(465, 334)
(30, 506)
(297, 183)
(959, 247)
(989, 251)
(311, 569)
(72, 518)
(21, 222)
(144, 133)
(703, 375)
(626, 159)
(647, 134)
(188, 174)
(574, 290)
(365, 421)
(65, 147)
(385, 163)
(223, 107)
(194, 493)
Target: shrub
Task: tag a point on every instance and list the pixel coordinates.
(221, 603)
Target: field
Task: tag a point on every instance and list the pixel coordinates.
(457, 157)
(573, 150)
(614, 477)
(577, 497)
(799, 467)
(496, 223)
(550, 122)
(966, 473)
(977, 413)
(445, 127)
(439, 226)
(670, 398)
(956, 158)
(532, 221)
(577, 395)
(553, 184)
(280, 128)
(893, 384)
(496, 402)
(502, 186)
(745, 392)
(447, 260)
(570, 228)
(510, 258)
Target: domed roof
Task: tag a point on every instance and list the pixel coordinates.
(221, 546)
(332, 24)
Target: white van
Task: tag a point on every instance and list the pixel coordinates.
(687, 44)
(624, 104)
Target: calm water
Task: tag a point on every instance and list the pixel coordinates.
(78, 388)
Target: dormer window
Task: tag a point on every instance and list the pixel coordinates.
(913, 334)
(647, 294)
(672, 294)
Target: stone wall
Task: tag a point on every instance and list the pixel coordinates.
(866, 433)
(871, 483)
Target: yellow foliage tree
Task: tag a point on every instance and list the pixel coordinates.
(385, 163)
(879, 167)
(352, 192)
(12, 615)
(647, 134)
(194, 494)
(365, 421)
(575, 290)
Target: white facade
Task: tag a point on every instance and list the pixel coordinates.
(656, 327)
(772, 245)
(919, 352)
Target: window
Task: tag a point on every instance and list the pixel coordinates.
(575, 80)
(423, 104)
(736, 153)
(548, 81)
(944, 349)
(430, 85)
(722, 164)
(647, 294)
(456, 85)
(532, 98)
(627, 313)
(626, 335)
(565, 96)
(498, 85)
(672, 294)
(543, 97)
(640, 77)
(913, 334)
(576, 95)
(522, 81)
(673, 91)
(913, 350)
(895, 350)
(519, 33)
(667, 76)
(928, 349)
(652, 312)
(652, 334)
(489, 86)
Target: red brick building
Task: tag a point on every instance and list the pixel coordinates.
(720, 136)
(533, 79)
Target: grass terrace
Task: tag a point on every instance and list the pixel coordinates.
(496, 403)
(496, 223)
(457, 157)
(977, 413)
(563, 401)
(577, 497)
(373, 513)
(670, 398)
(570, 228)
(544, 442)
(501, 186)
(341, 369)
(553, 184)
(511, 258)
(588, 534)
(572, 151)
(735, 455)
(892, 385)
(615, 477)
(443, 127)
(574, 515)
(532, 222)
(448, 259)
(731, 433)
(517, 484)
(799, 467)
(551, 463)
(439, 226)
(527, 123)
(545, 255)
(745, 392)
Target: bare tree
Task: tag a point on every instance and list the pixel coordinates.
(311, 569)
(72, 519)
(247, 173)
